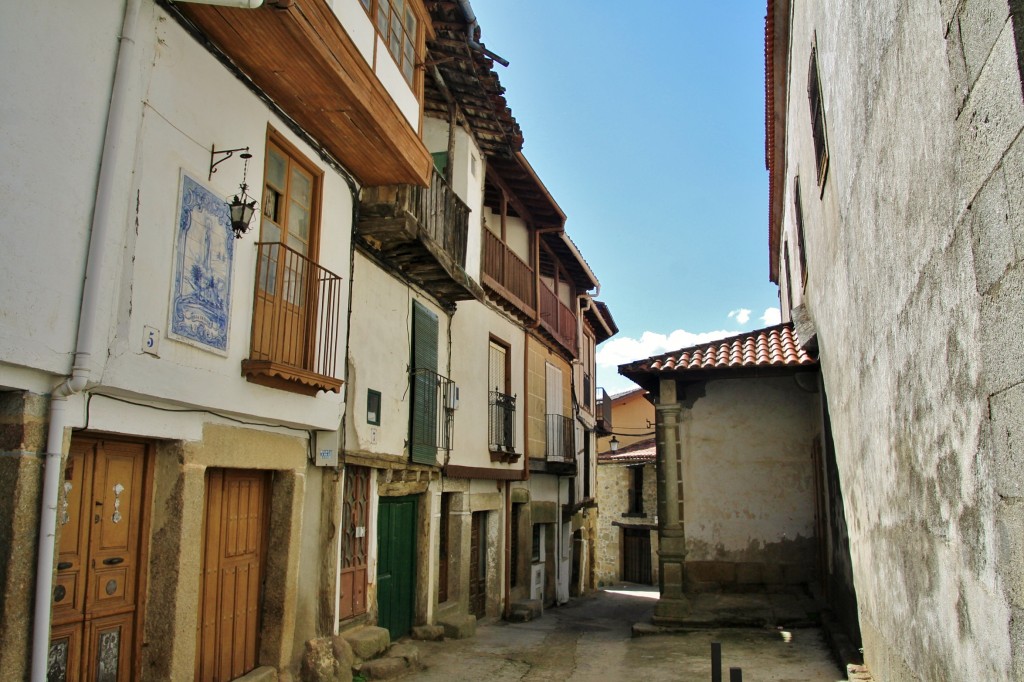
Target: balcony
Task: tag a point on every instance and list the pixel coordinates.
(507, 274)
(422, 231)
(304, 60)
(501, 427)
(297, 308)
(604, 413)
(433, 410)
(558, 319)
(560, 450)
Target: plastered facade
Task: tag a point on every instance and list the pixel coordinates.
(915, 262)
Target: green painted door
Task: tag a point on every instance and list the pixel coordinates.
(396, 573)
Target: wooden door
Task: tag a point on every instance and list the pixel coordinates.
(355, 519)
(636, 555)
(285, 285)
(396, 564)
(443, 548)
(234, 550)
(478, 565)
(96, 605)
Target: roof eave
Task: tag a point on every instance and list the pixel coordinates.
(777, 44)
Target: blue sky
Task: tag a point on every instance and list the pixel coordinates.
(648, 129)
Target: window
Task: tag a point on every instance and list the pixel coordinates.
(433, 396)
(373, 407)
(295, 322)
(636, 491)
(817, 117)
(537, 549)
(502, 406)
(798, 209)
(789, 276)
(397, 25)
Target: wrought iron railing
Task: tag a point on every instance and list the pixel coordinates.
(433, 406)
(561, 440)
(297, 309)
(501, 422)
(508, 270)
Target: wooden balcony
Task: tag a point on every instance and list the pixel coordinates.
(305, 61)
(422, 231)
(297, 308)
(507, 275)
(604, 412)
(558, 319)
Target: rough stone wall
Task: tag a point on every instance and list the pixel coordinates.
(915, 249)
(23, 423)
(613, 495)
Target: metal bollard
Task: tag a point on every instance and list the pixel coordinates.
(716, 662)
(735, 675)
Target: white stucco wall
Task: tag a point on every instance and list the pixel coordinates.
(380, 352)
(915, 264)
(472, 327)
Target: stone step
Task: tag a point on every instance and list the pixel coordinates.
(459, 626)
(401, 658)
(525, 611)
(367, 641)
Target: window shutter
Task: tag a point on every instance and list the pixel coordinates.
(424, 413)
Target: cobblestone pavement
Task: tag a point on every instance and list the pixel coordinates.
(590, 639)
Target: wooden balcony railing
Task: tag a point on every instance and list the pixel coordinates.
(297, 308)
(507, 273)
(558, 318)
(604, 412)
(423, 231)
(561, 439)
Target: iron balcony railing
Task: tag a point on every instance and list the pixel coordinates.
(433, 406)
(561, 446)
(297, 309)
(501, 422)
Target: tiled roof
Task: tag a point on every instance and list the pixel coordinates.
(770, 347)
(641, 452)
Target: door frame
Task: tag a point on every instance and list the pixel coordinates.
(415, 500)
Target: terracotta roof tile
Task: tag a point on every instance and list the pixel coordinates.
(641, 452)
(770, 347)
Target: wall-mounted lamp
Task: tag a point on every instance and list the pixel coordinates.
(241, 206)
(614, 444)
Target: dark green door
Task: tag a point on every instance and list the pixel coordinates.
(396, 573)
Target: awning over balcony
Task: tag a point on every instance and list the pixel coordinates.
(303, 59)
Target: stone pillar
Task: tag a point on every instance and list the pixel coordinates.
(23, 423)
(673, 604)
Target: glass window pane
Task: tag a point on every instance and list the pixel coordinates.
(410, 23)
(382, 18)
(269, 232)
(366, 3)
(298, 226)
(301, 189)
(399, 5)
(276, 167)
(407, 59)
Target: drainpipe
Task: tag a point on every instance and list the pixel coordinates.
(467, 10)
(83, 370)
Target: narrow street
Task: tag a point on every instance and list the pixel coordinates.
(590, 639)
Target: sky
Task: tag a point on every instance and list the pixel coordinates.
(646, 123)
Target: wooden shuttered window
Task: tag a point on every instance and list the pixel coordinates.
(817, 117)
(424, 429)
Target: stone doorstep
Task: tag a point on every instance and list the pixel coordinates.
(429, 633)
(400, 659)
(858, 673)
(367, 641)
(264, 673)
(459, 627)
(525, 611)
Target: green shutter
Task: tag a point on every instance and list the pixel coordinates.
(440, 161)
(424, 428)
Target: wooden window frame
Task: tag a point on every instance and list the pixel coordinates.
(817, 111)
(373, 9)
(798, 209)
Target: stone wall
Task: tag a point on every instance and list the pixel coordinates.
(915, 253)
(613, 499)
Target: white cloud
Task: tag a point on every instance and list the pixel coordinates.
(741, 315)
(619, 350)
(772, 316)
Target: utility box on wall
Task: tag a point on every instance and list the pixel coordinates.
(325, 449)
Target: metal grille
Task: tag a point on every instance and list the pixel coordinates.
(501, 423)
(432, 396)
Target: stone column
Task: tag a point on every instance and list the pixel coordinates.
(673, 604)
